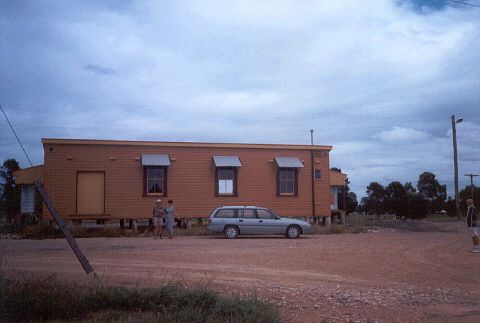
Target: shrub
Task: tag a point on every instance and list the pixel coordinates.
(40, 231)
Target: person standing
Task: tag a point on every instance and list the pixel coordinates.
(170, 215)
(472, 218)
(158, 213)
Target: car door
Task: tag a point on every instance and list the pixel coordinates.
(247, 221)
(268, 223)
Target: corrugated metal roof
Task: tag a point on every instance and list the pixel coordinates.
(26, 176)
(227, 161)
(155, 160)
(289, 162)
(337, 178)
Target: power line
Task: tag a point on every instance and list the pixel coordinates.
(465, 3)
(18, 139)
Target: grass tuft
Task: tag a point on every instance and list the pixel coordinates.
(33, 298)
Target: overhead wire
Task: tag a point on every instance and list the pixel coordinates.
(16, 136)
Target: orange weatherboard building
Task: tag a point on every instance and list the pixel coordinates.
(110, 179)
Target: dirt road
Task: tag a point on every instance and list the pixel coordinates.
(386, 276)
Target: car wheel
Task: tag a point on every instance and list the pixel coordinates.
(293, 232)
(231, 232)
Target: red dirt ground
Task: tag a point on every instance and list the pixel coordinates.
(385, 276)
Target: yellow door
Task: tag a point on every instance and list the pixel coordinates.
(90, 193)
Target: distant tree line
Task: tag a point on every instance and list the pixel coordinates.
(406, 200)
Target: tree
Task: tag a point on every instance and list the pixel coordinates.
(10, 197)
(435, 194)
(374, 201)
(418, 206)
(350, 198)
(352, 202)
(411, 193)
(450, 207)
(396, 199)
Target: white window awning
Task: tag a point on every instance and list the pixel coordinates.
(155, 160)
(227, 161)
(289, 162)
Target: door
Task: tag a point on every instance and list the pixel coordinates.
(247, 221)
(268, 223)
(90, 193)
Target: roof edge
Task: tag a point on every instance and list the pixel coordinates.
(180, 144)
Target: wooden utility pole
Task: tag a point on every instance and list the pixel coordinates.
(61, 224)
(471, 182)
(455, 165)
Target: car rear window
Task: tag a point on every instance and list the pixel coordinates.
(226, 213)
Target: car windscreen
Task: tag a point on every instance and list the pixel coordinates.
(226, 213)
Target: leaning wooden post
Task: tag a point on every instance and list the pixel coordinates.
(66, 232)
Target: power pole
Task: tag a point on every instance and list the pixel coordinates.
(471, 182)
(455, 164)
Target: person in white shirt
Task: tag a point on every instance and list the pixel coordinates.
(472, 223)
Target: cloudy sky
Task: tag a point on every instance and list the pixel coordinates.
(378, 80)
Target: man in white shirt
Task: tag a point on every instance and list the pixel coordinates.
(472, 218)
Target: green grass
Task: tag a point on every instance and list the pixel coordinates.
(33, 298)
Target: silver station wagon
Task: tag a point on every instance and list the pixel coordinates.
(246, 220)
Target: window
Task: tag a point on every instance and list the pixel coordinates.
(226, 213)
(155, 180)
(249, 214)
(264, 214)
(318, 174)
(226, 181)
(287, 182)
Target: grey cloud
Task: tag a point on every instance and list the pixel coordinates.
(97, 69)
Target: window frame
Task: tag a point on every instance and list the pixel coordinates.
(295, 181)
(235, 182)
(319, 170)
(164, 184)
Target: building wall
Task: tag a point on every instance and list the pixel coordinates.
(191, 179)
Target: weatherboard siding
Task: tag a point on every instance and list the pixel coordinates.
(191, 179)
